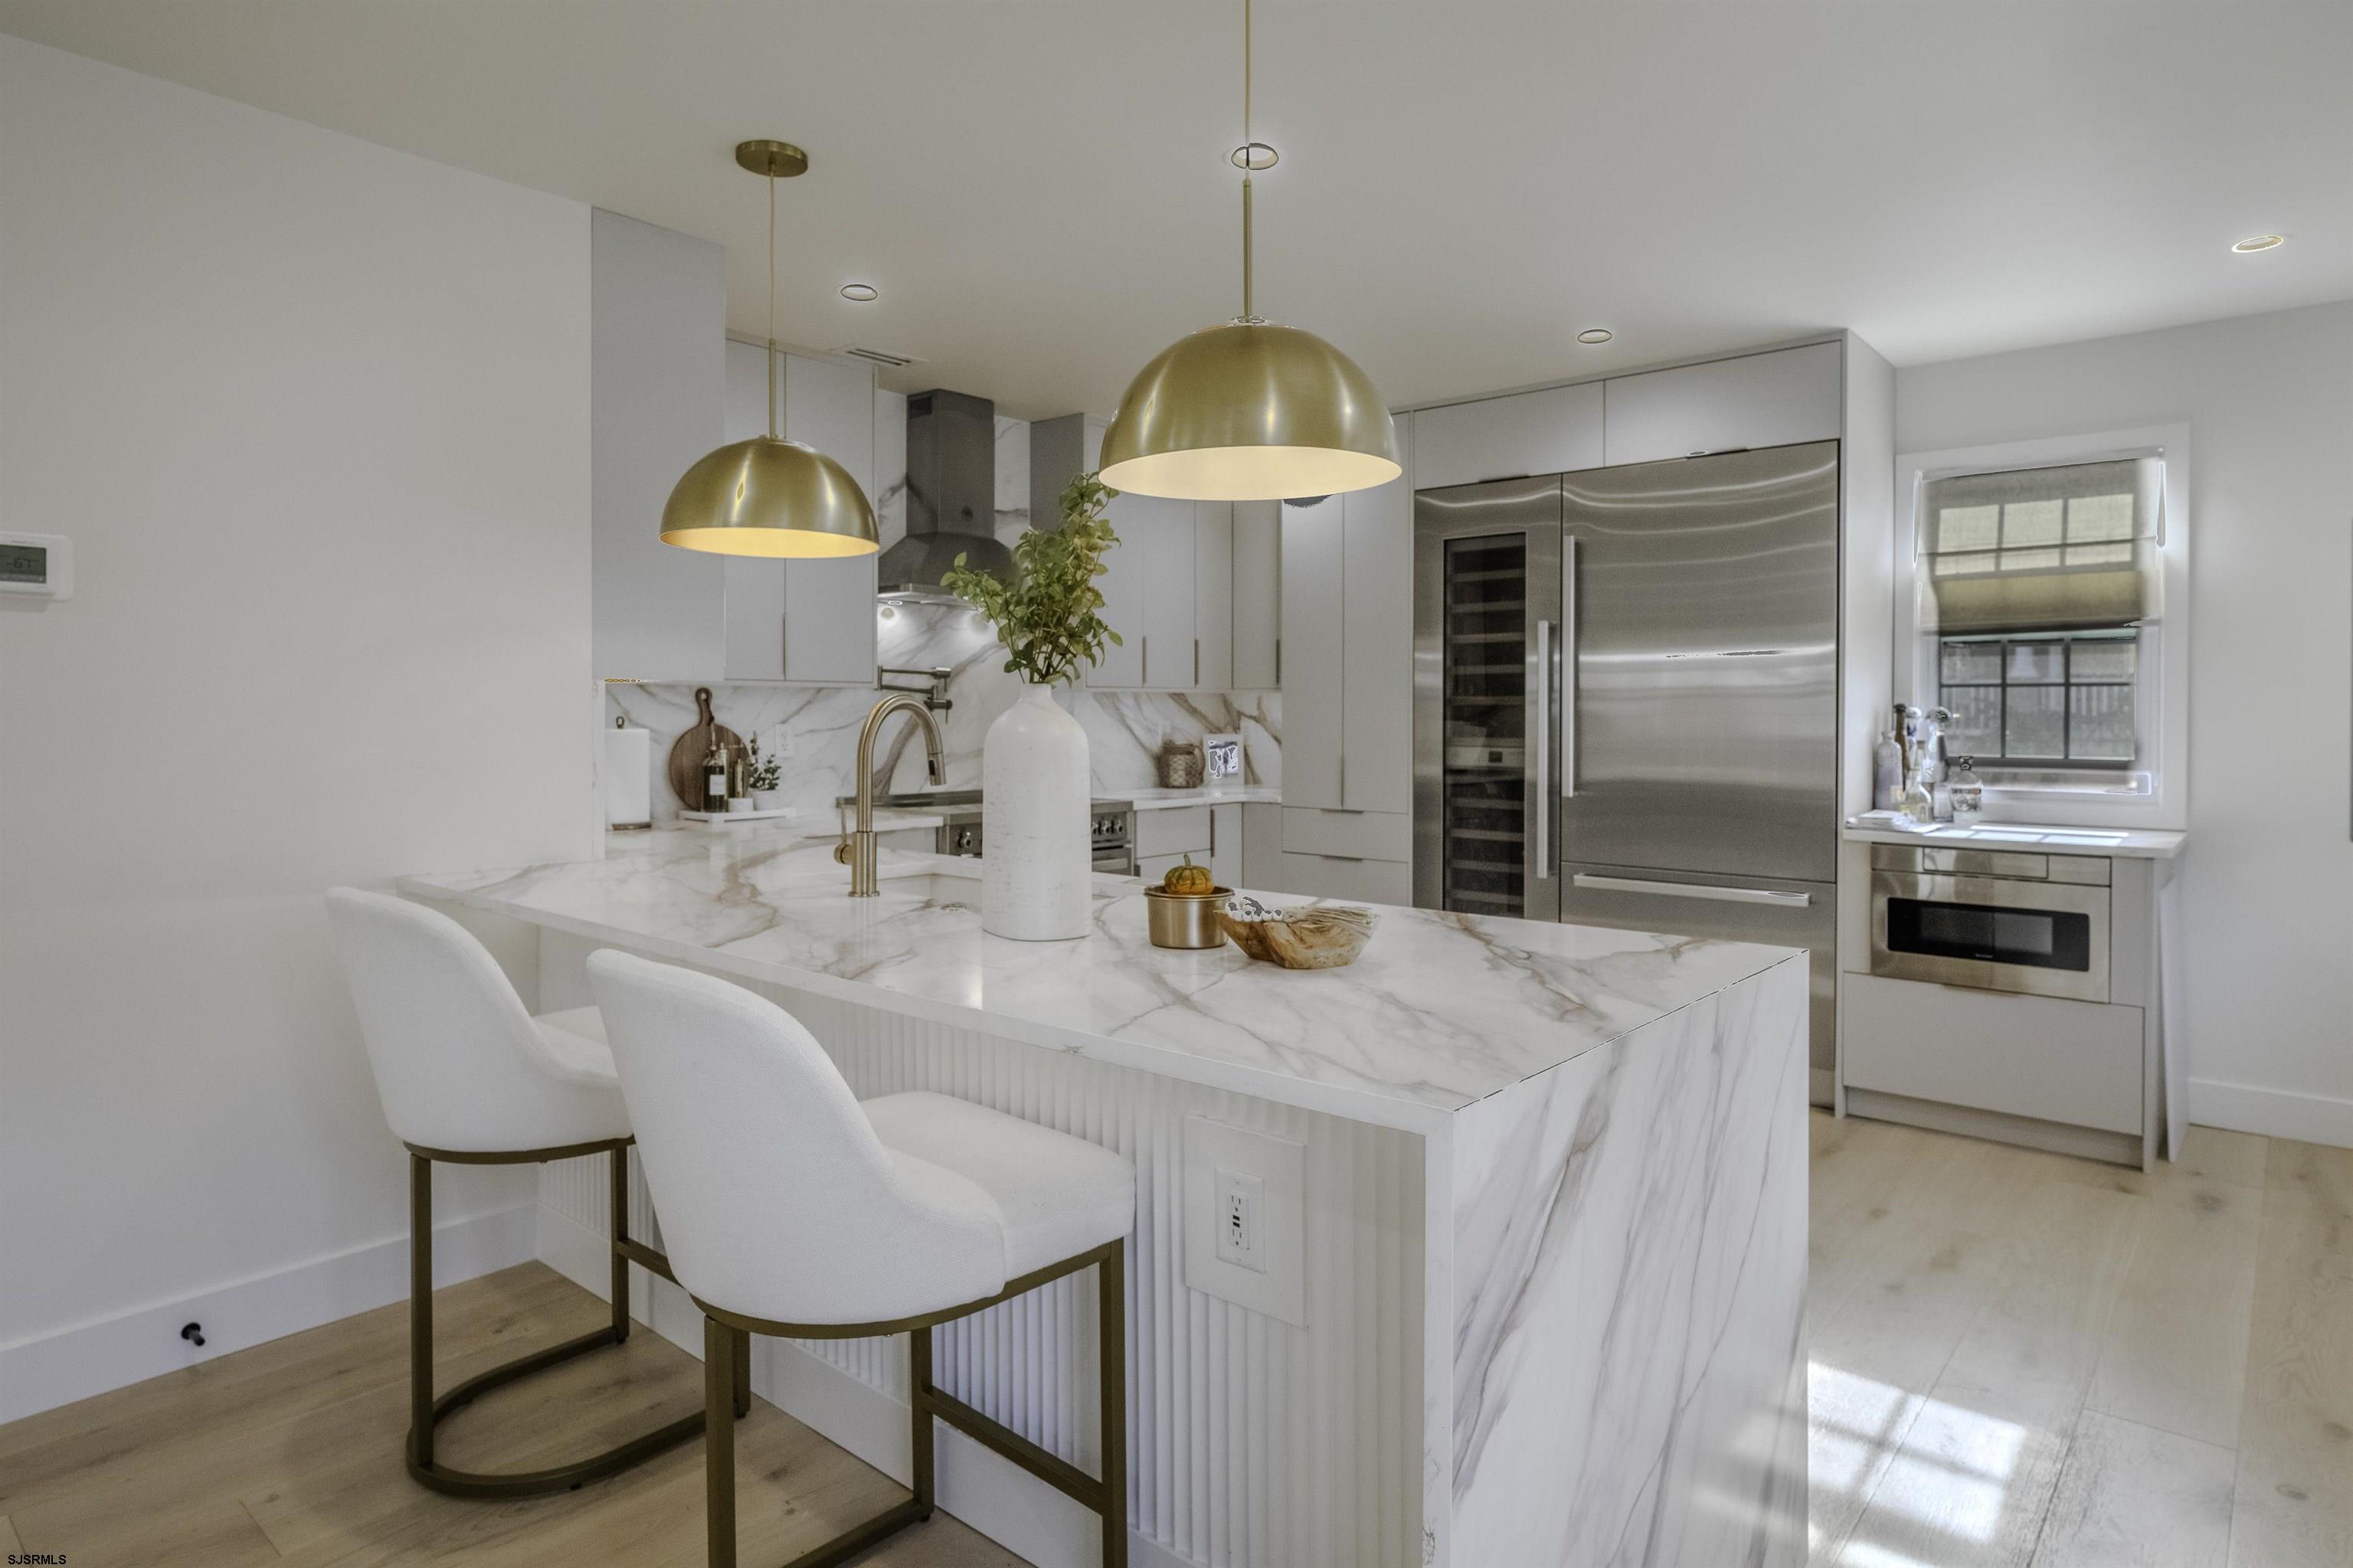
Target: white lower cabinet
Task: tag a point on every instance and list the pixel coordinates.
(1348, 835)
(1335, 876)
(1262, 846)
(1211, 835)
(2078, 1063)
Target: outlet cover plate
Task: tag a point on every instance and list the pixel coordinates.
(1278, 1287)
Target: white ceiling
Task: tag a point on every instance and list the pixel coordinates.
(1041, 192)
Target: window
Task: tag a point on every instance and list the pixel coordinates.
(2037, 585)
(2059, 700)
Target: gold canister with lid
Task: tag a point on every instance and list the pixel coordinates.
(1184, 920)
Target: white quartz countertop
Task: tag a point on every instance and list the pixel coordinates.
(2139, 843)
(1167, 799)
(1440, 1011)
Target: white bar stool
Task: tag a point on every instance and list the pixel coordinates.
(467, 1075)
(792, 1209)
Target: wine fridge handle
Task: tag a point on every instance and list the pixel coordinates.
(1568, 669)
(1540, 798)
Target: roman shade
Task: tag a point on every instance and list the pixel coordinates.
(2043, 550)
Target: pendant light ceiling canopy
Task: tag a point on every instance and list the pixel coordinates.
(768, 496)
(1247, 410)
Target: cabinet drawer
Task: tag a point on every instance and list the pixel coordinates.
(2073, 1061)
(1325, 876)
(1553, 431)
(1350, 835)
(1759, 401)
(1173, 830)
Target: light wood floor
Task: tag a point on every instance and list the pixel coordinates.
(2028, 1359)
(2018, 1358)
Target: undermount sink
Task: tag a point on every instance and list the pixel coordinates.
(930, 886)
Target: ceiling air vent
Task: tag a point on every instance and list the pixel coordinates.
(880, 356)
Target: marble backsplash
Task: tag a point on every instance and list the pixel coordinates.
(815, 729)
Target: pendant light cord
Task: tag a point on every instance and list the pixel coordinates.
(1249, 156)
(776, 386)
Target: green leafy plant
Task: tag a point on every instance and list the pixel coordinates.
(767, 771)
(1046, 618)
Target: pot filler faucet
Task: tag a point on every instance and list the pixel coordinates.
(858, 851)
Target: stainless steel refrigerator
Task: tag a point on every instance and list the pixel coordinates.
(1626, 699)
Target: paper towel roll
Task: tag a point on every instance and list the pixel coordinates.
(628, 778)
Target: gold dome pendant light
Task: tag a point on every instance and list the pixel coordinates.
(1247, 410)
(768, 496)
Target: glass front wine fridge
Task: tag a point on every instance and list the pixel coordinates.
(1487, 622)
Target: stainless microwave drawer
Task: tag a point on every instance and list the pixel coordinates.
(2089, 983)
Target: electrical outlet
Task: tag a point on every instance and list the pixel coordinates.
(1244, 1218)
(1241, 1219)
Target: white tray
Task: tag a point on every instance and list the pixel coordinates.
(725, 819)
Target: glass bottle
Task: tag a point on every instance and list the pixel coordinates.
(1886, 771)
(715, 777)
(1919, 803)
(1968, 792)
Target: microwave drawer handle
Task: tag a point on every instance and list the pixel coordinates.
(1693, 890)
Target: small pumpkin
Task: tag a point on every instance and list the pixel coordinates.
(1188, 878)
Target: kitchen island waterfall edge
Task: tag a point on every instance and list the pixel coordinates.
(1555, 1196)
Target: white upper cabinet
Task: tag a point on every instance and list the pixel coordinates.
(1315, 659)
(1213, 596)
(1758, 400)
(1377, 758)
(1162, 549)
(1556, 430)
(656, 319)
(809, 622)
(1168, 585)
(1347, 648)
(1257, 595)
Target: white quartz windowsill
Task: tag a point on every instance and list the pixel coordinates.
(2142, 843)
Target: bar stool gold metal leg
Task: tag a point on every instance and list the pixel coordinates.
(720, 1344)
(617, 1196)
(724, 1335)
(919, 1405)
(1111, 1308)
(425, 1410)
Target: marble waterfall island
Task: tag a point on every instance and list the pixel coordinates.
(1552, 1262)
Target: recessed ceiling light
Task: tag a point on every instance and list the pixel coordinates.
(2248, 246)
(1596, 334)
(861, 292)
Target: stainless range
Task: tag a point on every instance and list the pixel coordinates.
(1111, 823)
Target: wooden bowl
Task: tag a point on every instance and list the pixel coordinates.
(1323, 937)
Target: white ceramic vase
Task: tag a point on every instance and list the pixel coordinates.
(1036, 862)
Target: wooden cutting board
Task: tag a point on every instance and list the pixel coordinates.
(687, 752)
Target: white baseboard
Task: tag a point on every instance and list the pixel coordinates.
(66, 1364)
(985, 1490)
(2274, 1113)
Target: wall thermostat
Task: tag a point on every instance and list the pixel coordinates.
(39, 566)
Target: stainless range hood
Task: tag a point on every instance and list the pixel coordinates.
(951, 499)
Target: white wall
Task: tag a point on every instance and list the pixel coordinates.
(316, 416)
(2267, 882)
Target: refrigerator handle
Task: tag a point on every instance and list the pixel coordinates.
(1541, 800)
(1693, 890)
(1568, 669)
